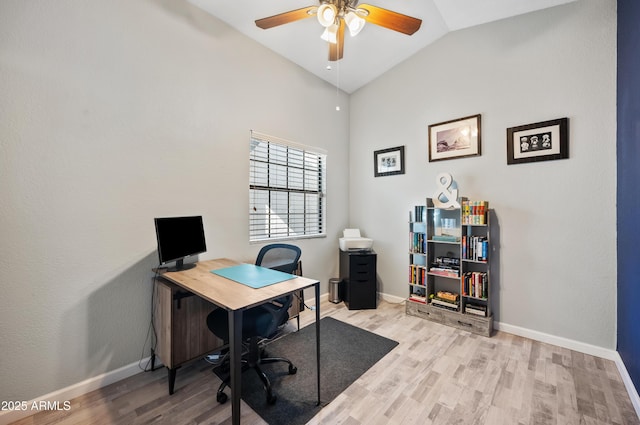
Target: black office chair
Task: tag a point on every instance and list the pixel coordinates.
(261, 322)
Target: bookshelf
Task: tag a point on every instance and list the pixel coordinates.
(418, 251)
(449, 265)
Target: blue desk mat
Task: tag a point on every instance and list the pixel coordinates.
(252, 275)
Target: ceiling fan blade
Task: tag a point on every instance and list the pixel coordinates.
(391, 20)
(336, 51)
(286, 17)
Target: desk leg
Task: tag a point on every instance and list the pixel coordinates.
(171, 374)
(235, 348)
(153, 356)
(317, 286)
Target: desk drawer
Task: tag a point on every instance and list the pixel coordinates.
(362, 273)
(362, 267)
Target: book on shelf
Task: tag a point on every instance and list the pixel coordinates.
(449, 300)
(417, 243)
(443, 304)
(478, 310)
(419, 214)
(447, 261)
(417, 274)
(475, 284)
(474, 212)
(418, 298)
(447, 296)
(475, 248)
(445, 238)
(444, 272)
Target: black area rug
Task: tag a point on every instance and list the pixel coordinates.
(346, 352)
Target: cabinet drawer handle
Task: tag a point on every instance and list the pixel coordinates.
(464, 324)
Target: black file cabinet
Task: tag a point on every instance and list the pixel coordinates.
(358, 279)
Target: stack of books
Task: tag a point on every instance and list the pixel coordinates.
(418, 298)
(418, 295)
(446, 300)
(478, 310)
(446, 266)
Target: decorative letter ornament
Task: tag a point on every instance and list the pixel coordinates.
(445, 196)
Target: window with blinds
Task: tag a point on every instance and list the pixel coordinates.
(286, 189)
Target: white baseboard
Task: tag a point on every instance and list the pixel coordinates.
(311, 302)
(73, 391)
(557, 340)
(391, 298)
(631, 389)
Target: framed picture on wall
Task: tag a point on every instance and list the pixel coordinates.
(387, 162)
(542, 141)
(453, 139)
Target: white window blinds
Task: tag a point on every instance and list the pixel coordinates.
(286, 189)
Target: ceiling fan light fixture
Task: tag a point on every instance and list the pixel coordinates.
(327, 14)
(362, 12)
(330, 34)
(354, 22)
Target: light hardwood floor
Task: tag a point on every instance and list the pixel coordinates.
(436, 375)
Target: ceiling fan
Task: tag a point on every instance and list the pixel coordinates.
(335, 15)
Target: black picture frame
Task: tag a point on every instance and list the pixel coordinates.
(453, 139)
(388, 162)
(541, 141)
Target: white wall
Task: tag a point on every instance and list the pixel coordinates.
(555, 265)
(115, 112)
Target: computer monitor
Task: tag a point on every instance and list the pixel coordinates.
(178, 238)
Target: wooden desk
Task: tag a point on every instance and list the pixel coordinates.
(181, 330)
(235, 298)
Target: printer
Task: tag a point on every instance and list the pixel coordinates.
(351, 240)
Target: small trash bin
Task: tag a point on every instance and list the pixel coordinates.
(334, 290)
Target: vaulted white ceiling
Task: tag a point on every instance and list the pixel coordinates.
(375, 50)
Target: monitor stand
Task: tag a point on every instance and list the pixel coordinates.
(180, 266)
